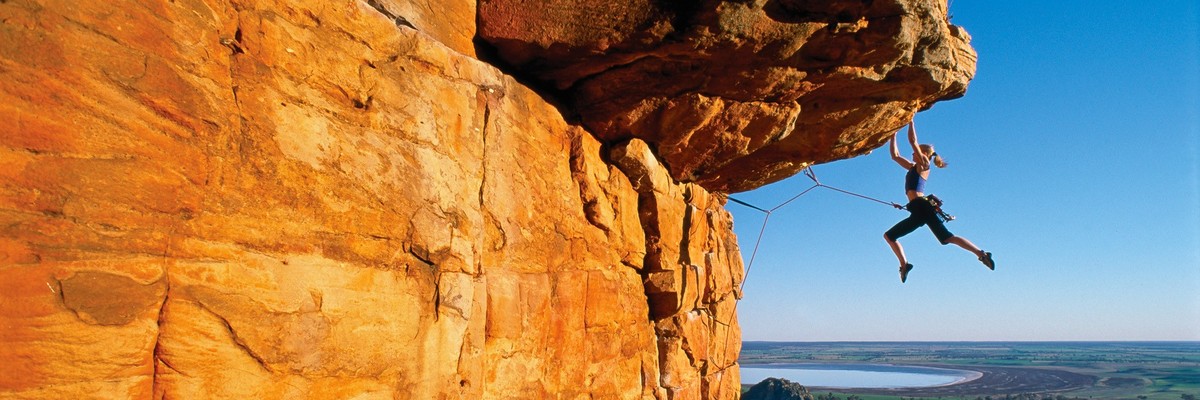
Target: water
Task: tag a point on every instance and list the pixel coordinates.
(856, 375)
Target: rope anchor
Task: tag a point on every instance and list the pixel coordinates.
(808, 172)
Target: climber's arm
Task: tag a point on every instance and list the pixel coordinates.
(919, 157)
(904, 163)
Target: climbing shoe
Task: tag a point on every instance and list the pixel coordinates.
(904, 272)
(986, 259)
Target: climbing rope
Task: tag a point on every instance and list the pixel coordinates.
(808, 172)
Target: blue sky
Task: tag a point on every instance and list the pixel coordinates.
(1074, 158)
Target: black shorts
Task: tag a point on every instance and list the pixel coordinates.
(920, 213)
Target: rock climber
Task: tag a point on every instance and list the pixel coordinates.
(923, 209)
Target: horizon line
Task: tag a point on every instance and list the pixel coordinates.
(981, 341)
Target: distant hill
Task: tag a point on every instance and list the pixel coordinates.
(777, 389)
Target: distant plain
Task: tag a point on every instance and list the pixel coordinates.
(1107, 370)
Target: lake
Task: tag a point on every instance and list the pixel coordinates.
(856, 375)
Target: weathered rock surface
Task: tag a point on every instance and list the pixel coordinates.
(331, 200)
(738, 94)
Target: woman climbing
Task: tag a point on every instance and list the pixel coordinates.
(923, 210)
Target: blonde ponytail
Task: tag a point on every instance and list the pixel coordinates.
(938, 160)
(934, 157)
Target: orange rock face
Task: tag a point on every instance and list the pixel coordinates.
(738, 94)
(331, 200)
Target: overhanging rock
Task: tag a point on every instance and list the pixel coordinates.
(733, 95)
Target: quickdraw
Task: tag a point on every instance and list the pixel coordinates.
(937, 206)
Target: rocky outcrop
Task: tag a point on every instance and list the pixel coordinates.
(303, 199)
(738, 94)
(777, 389)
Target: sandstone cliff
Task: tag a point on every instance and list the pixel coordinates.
(303, 199)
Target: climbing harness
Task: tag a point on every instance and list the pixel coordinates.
(937, 207)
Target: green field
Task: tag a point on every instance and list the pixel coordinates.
(1121, 370)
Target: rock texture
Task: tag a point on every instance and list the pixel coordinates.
(738, 94)
(338, 199)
